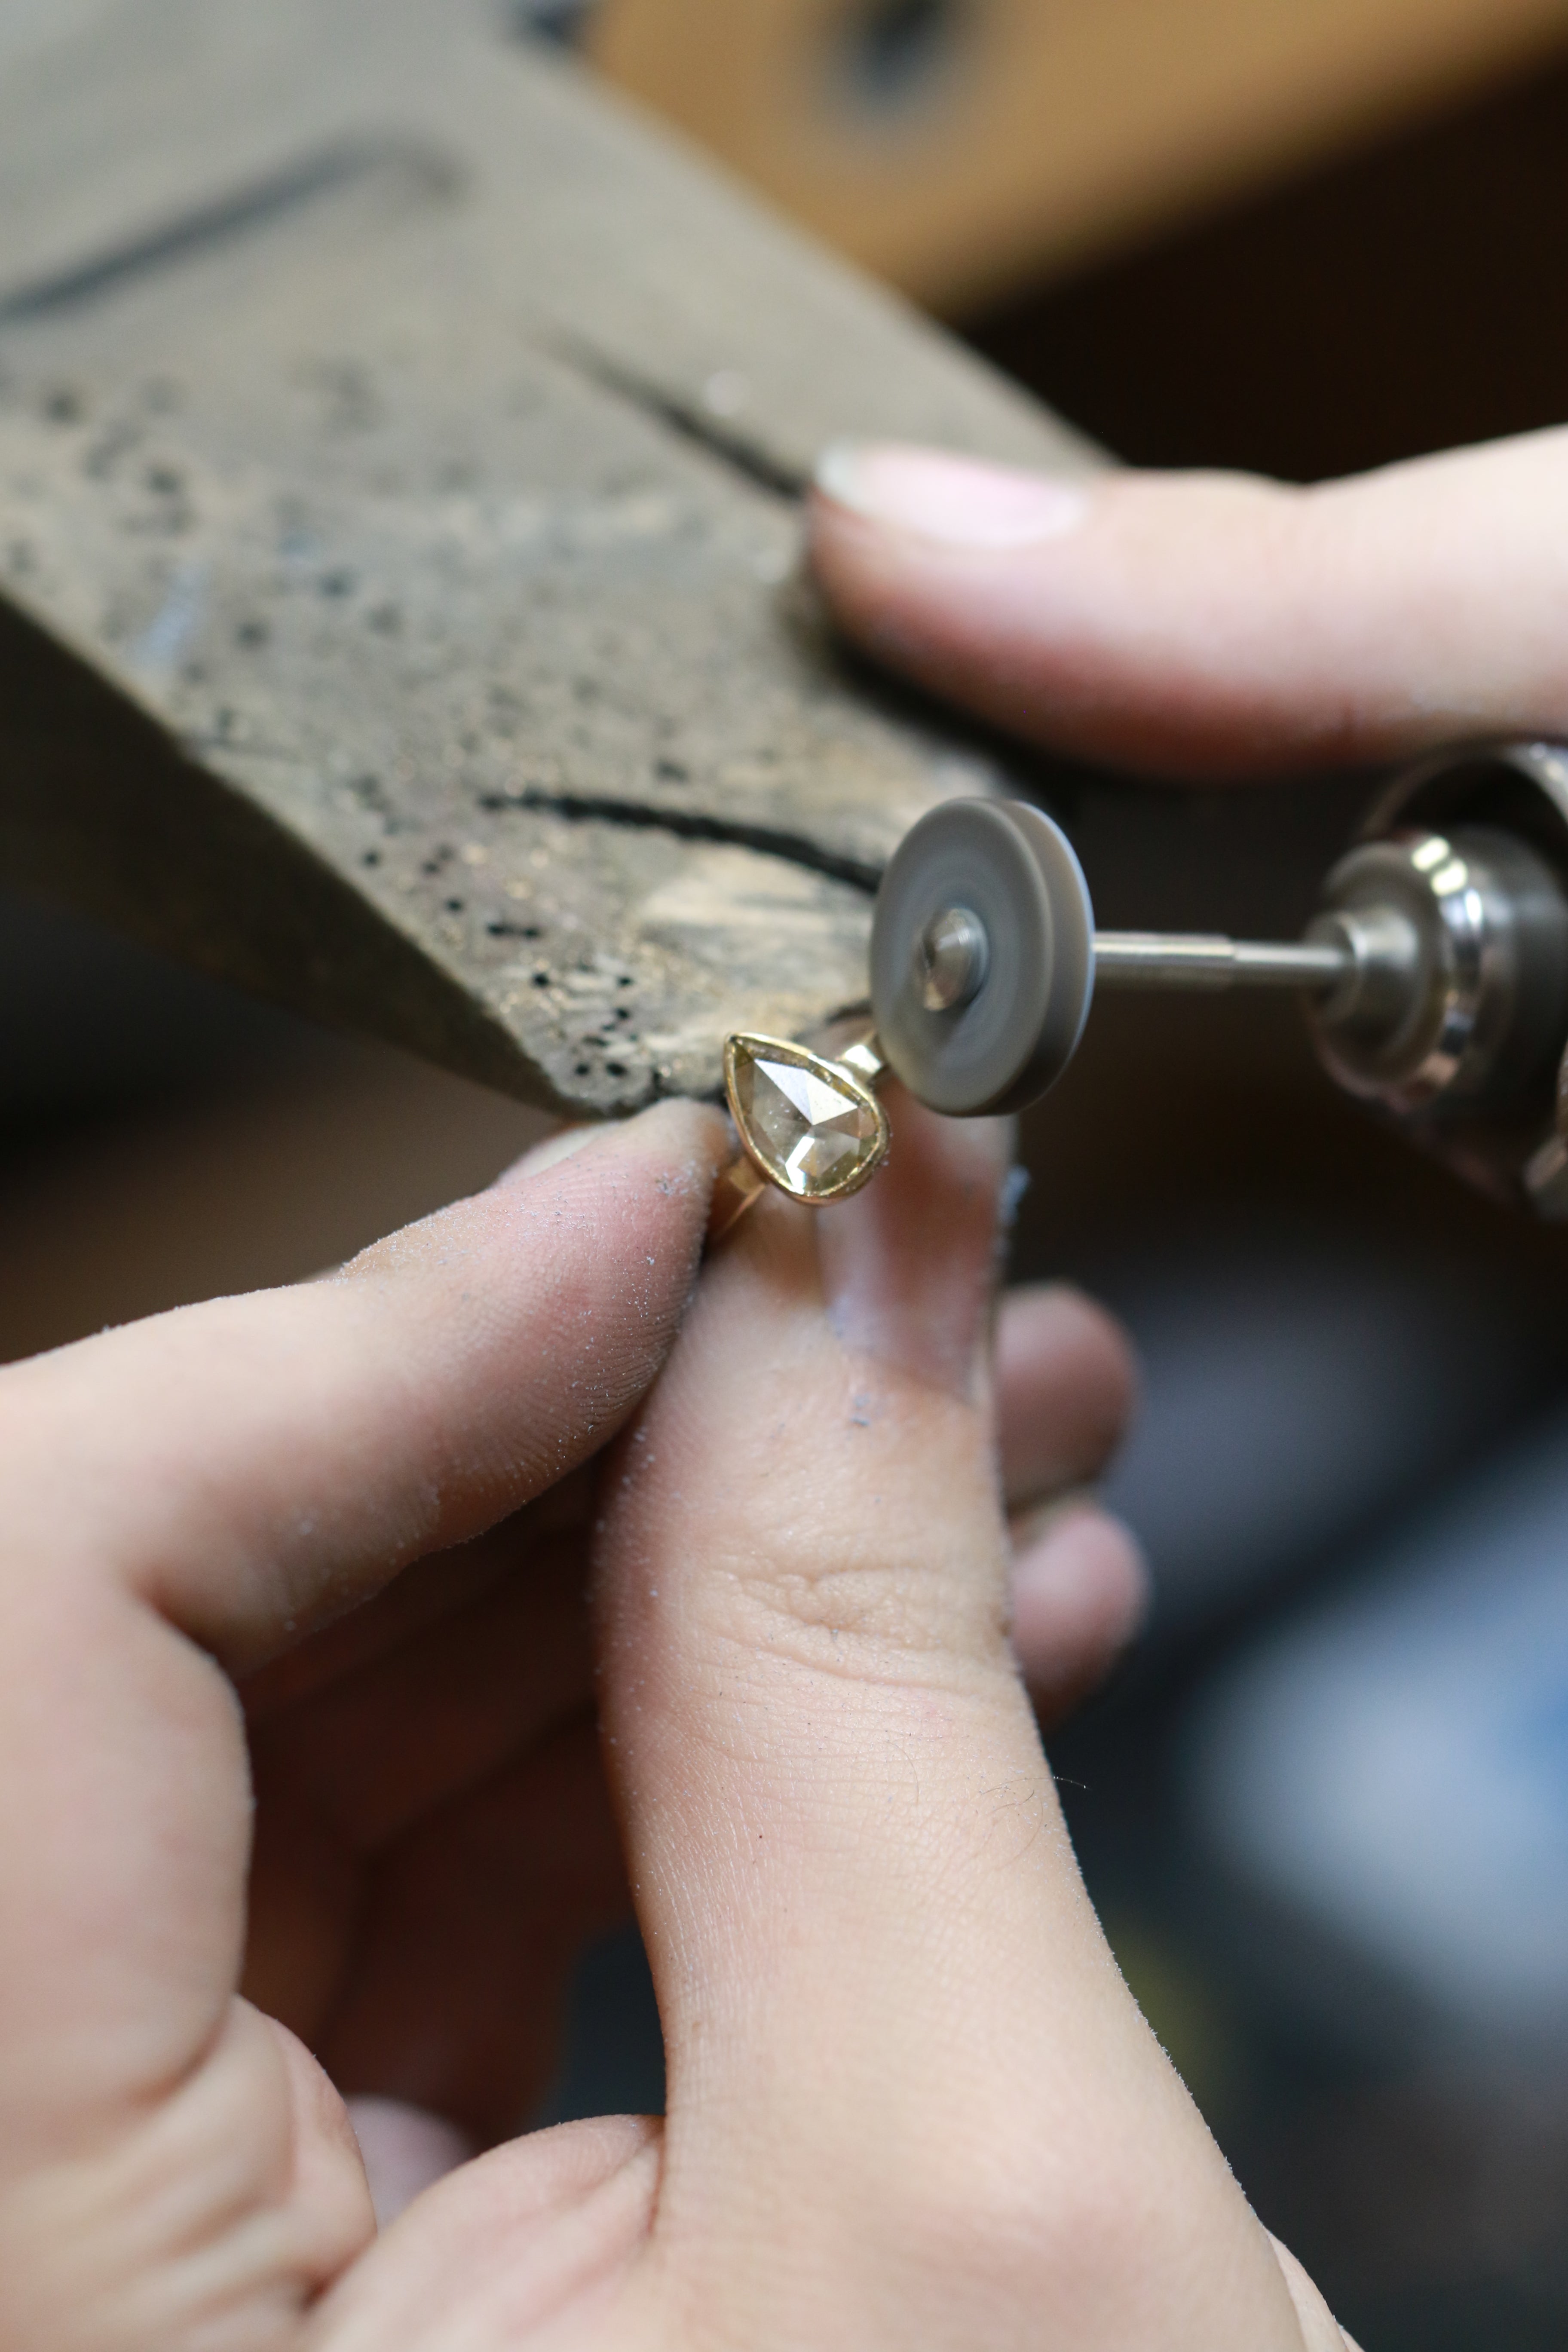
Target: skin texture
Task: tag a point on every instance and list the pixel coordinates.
(1214, 628)
(299, 1788)
(326, 1546)
(1211, 626)
(911, 2101)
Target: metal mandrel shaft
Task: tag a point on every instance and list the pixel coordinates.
(1183, 960)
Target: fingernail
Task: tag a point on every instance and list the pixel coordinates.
(956, 501)
(554, 1147)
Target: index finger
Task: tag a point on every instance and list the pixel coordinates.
(257, 1465)
(1211, 625)
(218, 1481)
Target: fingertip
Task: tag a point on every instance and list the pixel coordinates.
(294, 1449)
(479, 2257)
(1067, 1381)
(1210, 626)
(631, 1195)
(943, 499)
(1151, 620)
(1080, 1595)
(677, 1129)
(406, 2150)
(908, 1265)
(331, 2191)
(564, 1144)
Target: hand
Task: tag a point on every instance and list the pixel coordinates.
(912, 2103)
(255, 1504)
(1207, 624)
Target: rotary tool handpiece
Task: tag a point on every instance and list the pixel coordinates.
(1436, 971)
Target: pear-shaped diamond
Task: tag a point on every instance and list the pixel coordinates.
(811, 1127)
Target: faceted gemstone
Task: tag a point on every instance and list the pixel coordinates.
(816, 1132)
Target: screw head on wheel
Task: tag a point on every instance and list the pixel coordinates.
(982, 957)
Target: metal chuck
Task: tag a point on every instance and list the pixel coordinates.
(1459, 990)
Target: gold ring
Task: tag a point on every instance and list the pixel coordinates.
(809, 1126)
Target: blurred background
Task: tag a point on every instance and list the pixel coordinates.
(1324, 1811)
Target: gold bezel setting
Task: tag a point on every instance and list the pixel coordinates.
(749, 1048)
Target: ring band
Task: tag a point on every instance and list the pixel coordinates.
(740, 1185)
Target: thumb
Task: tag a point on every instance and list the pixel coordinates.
(1209, 624)
(901, 2064)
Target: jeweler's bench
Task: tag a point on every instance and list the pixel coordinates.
(400, 457)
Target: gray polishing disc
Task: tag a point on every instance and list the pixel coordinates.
(1005, 864)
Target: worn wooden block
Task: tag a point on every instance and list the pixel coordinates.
(400, 453)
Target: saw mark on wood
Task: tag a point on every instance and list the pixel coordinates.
(683, 417)
(690, 825)
(234, 214)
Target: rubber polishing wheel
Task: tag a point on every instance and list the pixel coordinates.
(1008, 864)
